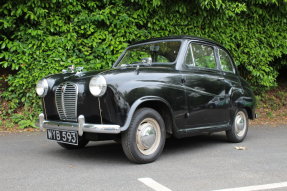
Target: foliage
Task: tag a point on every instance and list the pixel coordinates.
(272, 106)
(274, 99)
(41, 37)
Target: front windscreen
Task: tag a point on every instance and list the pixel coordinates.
(163, 52)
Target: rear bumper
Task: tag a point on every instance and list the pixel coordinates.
(81, 126)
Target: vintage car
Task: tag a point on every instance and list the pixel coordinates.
(158, 88)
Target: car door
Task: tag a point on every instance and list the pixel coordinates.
(204, 87)
(233, 87)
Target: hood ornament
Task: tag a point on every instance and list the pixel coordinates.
(72, 69)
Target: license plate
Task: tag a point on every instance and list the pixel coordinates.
(69, 137)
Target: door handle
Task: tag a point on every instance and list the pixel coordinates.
(220, 78)
(183, 80)
(221, 98)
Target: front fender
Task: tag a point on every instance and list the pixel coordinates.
(137, 103)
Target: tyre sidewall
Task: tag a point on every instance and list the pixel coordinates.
(139, 116)
(231, 134)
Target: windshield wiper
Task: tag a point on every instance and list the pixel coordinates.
(144, 62)
(135, 64)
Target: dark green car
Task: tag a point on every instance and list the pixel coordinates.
(174, 86)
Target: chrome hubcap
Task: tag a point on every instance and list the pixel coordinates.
(240, 124)
(148, 136)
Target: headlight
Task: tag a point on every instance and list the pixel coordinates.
(42, 87)
(98, 85)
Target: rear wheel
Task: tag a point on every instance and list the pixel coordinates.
(239, 129)
(144, 140)
(81, 144)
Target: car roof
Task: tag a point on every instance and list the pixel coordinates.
(182, 37)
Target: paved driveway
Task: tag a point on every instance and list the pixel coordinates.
(30, 162)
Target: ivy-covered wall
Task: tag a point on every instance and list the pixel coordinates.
(41, 37)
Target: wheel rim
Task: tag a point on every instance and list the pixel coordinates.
(148, 136)
(240, 124)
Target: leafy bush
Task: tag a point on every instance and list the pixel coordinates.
(41, 37)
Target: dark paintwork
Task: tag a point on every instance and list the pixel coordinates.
(197, 100)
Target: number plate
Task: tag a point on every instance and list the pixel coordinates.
(69, 137)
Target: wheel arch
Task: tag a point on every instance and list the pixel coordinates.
(157, 103)
(249, 111)
(243, 99)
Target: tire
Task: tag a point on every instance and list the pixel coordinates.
(144, 140)
(81, 144)
(239, 129)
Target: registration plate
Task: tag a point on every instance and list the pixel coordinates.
(69, 137)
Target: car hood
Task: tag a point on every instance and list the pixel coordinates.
(73, 76)
(113, 76)
(113, 71)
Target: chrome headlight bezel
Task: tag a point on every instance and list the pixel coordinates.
(98, 85)
(42, 87)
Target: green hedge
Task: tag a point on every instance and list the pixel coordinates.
(41, 37)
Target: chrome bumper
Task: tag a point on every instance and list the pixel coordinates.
(81, 126)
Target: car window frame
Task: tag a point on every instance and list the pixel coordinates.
(190, 68)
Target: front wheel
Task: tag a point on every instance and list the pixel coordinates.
(239, 129)
(144, 140)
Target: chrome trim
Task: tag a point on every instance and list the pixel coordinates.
(41, 120)
(100, 109)
(66, 98)
(81, 126)
(240, 124)
(81, 121)
(148, 136)
(44, 107)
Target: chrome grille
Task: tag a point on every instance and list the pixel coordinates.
(66, 101)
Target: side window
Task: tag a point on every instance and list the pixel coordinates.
(225, 61)
(161, 59)
(203, 56)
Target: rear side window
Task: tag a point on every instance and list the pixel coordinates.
(203, 56)
(225, 61)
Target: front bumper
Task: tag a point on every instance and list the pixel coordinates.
(81, 126)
